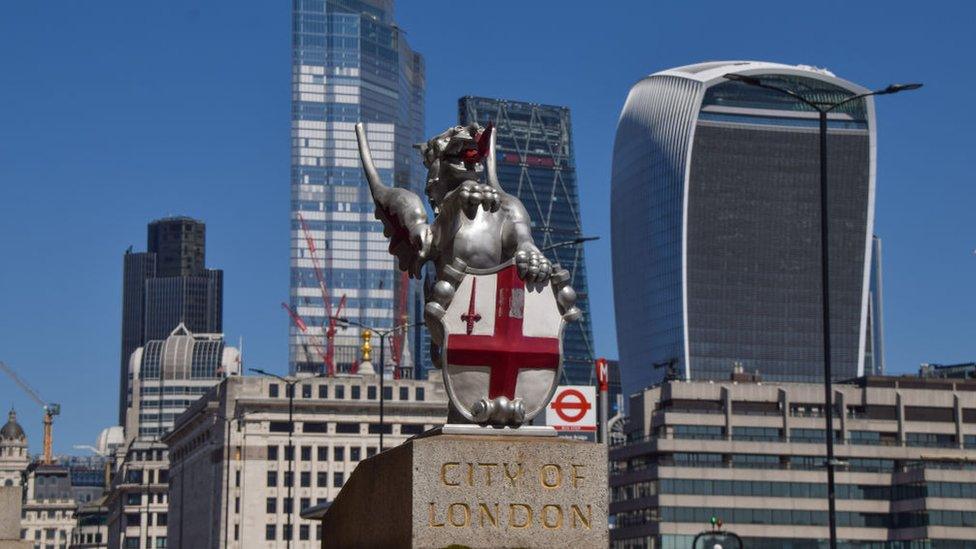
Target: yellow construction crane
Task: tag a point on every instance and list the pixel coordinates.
(50, 409)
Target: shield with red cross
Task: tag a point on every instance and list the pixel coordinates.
(502, 337)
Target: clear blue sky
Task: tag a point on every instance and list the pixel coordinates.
(116, 112)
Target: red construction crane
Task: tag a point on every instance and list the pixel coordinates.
(330, 321)
(299, 323)
(400, 318)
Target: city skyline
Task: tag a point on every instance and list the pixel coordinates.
(218, 127)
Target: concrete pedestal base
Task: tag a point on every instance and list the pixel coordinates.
(475, 491)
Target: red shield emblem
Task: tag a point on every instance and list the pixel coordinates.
(502, 338)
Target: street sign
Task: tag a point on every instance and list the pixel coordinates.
(572, 408)
(602, 374)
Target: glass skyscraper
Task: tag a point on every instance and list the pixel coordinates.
(536, 164)
(350, 63)
(715, 222)
(165, 286)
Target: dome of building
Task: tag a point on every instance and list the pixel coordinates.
(12, 430)
(109, 439)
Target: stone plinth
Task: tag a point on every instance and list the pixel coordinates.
(475, 491)
(10, 505)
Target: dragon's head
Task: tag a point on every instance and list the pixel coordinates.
(453, 157)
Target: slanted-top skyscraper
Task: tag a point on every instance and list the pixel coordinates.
(715, 219)
(536, 164)
(350, 63)
(165, 286)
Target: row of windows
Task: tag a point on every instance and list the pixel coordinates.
(322, 427)
(355, 392)
(271, 532)
(753, 488)
(762, 461)
(305, 479)
(796, 517)
(321, 454)
(813, 436)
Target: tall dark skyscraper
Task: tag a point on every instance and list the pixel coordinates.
(536, 164)
(350, 63)
(715, 209)
(164, 286)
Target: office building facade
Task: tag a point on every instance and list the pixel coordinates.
(350, 63)
(715, 211)
(231, 465)
(536, 163)
(165, 286)
(874, 355)
(751, 454)
(168, 375)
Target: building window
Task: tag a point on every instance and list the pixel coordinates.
(323, 453)
(289, 391)
(289, 453)
(133, 519)
(355, 390)
(930, 440)
(757, 434)
(269, 532)
(387, 393)
(303, 504)
(322, 479)
(418, 394)
(306, 479)
(289, 478)
(339, 453)
(315, 427)
(411, 429)
(286, 505)
(272, 393)
(161, 519)
(337, 479)
(370, 451)
(404, 393)
(306, 453)
(306, 391)
(377, 428)
(286, 531)
(371, 392)
(354, 453)
(133, 499)
(271, 505)
(347, 428)
(340, 392)
(272, 478)
(323, 391)
(272, 452)
(303, 531)
(279, 426)
(237, 479)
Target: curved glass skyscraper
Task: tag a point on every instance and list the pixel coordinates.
(715, 223)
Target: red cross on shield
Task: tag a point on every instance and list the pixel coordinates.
(502, 338)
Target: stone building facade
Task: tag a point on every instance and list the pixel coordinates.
(233, 482)
(752, 453)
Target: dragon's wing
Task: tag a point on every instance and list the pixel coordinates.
(402, 212)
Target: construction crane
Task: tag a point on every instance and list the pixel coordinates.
(51, 409)
(299, 323)
(330, 319)
(400, 315)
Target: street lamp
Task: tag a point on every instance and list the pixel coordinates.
(382, 334)
(573, 242)
(290, 388)
(824, 108)
(227, 421)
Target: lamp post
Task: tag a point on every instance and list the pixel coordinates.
(382, 334)
(227, 421)
(824, 108)
(290, 451)
(573, 242)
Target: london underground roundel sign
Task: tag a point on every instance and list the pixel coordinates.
(572, 408)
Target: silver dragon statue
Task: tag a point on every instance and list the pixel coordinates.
(495, 306)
